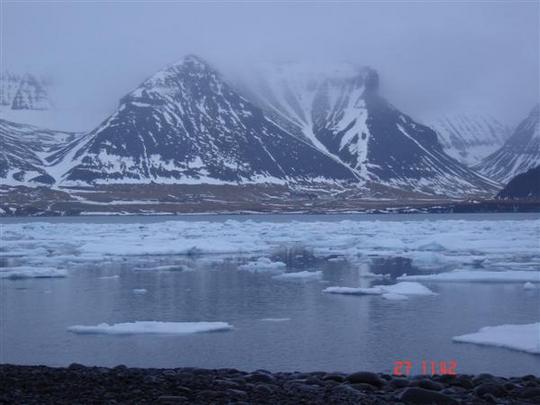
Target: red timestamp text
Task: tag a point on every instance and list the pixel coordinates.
(426, 367)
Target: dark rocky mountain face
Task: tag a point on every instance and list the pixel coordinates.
(25, 151)
(341, 113)
(185, 124)
(524, 185)
(519, 153)
(405, 154)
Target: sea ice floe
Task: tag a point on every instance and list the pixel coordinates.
(402, 289)
(524, 338)
(115, 277)
(140, 291)
(151, 327)
(529, 286)
(354, 290)
(299, 275)
(275, 319)
(166, 267)
(263, 264)
(395, 297)
(462, 275)
(22, 272)
(407, 288)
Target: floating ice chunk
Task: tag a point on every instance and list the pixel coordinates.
(395, 297)
(115, 277)
(263, 264)
(354, 290)
(407, 288)
(524, 338)
(519, 276)
(275, 319)
(403, 288)
(151, 327)
(22, 272)
(529, 286)
(369, 274)
(432, 247)
(300, 275)
(168, 267)
(140, 290)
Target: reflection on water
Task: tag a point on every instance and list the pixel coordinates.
(316, 331)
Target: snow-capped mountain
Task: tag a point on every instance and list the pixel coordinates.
(24, 92)
(338, 109)
(469, 138)
(291, 125)
(185, 124)
(519, 153)
(27, 152)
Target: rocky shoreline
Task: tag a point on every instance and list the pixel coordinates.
(83, 385)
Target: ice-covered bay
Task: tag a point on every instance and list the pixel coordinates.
(494, 244)
(265, 277)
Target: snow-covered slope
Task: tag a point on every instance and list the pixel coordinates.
(519, 153)
(338, 109)
(185, 124)
(27, 152)
(469, 138)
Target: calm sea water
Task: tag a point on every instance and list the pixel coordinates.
(322, 332)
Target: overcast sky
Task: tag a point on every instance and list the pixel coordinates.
(433, 57)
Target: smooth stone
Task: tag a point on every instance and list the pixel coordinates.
(346, 391)
(429, 385)
(226, 384)
(209, 394)
(183, 390)
(260, 377)
(297, 387)
(364, 387)
(172, 399)
(463, 381)
(334, 377)
(76, 366)
(530, 392)
(490, 388)
(365, 377)
(482, 378)
(415, 395)
(264, 389)
(399, 382)
(236, 393)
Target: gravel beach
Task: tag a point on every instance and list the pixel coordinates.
(78, 384)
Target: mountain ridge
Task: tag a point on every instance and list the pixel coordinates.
(188, 124)
(519, 153)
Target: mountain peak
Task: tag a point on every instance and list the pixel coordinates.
(190, 62)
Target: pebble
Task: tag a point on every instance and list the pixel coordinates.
(365, 377)
(417, 395)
